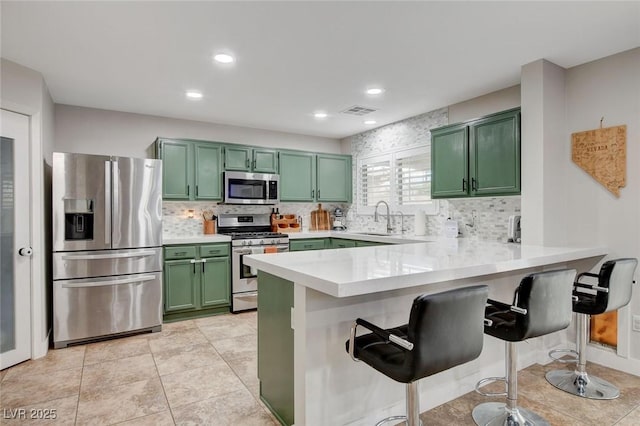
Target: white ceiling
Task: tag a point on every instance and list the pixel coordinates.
(294, 58)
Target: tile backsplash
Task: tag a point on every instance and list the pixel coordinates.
(177, 224)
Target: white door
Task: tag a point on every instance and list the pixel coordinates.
(15, 251)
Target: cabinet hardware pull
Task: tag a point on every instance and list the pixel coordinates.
(254, 163)
(196, 190)
(194, 267)
(318, 194)
(313, 193)
(464, 184)
(188, 190)
(473, 184)
(247, 163)
(203, 267)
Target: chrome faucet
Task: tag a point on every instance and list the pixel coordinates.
(375, 215)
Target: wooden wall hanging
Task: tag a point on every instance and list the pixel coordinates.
(603, 154)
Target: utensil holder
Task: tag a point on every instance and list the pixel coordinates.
(209, 226)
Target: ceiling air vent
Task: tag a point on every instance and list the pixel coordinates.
(358, 110)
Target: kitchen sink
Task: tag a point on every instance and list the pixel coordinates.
(377, 234)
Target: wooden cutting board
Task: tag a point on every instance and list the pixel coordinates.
(320, 220)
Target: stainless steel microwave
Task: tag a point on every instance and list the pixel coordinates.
(251, 188)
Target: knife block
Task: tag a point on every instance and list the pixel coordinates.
(209, 226)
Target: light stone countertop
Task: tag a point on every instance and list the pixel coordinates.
(196, 239)
(364, 236)
(355, 271)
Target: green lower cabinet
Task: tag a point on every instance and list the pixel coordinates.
(275, 346)
(308, 244)
(368, 243)
(194, 285)
(214, 282)
(340, 243)
(179, 286)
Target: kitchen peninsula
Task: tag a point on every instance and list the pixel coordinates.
(308, 299)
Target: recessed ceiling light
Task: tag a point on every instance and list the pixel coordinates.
(320, 114)
(223, 58)
(370, 122)
(193, 94)
(375, 91)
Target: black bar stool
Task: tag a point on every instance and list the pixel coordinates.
(444, 330)
(541, 305)
(611, 291)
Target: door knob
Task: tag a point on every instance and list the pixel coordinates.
(25, 251)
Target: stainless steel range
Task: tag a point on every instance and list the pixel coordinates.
(250, 234)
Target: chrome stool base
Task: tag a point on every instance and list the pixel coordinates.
(581, 384)
(497, 414)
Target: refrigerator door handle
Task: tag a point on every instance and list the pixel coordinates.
(107, 256)
(129, 280)
(107, 203)
(115, 183)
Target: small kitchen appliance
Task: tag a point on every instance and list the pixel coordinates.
(250, 234)
(251, 188)
(338, 220)
(514, 231)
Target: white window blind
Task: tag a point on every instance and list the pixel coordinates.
(402, 178)
(375, 181)
(413, 177)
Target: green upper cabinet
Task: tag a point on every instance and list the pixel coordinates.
(265, 160)
(477, 158)
(191, 170)
(248, 159)
(297, 176)
(177, 168)
(208, 171)
(333, 178)
(309, 177)
(237, 158)
(494, 149)
(449, 162)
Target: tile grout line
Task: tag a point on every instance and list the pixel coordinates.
(84, 357)
(164, 392)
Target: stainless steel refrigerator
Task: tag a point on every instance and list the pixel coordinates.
(107, 246)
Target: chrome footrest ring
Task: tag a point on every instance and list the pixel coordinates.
(574, 354)
(488, 380)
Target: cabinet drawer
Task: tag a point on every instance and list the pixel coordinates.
(340, 243)
(179, 252)
(298, 245)
(213, 250)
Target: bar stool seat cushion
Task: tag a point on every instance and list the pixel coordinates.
(546, 298)
(445, 328)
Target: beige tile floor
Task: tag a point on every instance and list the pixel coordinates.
(204, 371)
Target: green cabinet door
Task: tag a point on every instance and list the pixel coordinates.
(297, 176)
(208, 171)
(176, 169)
(308, 244)
(265, 161)
(341, 243)
(180, 278)
(449, 162)
(333, 178)
(237, 158)
(214, 282)
(494, 148)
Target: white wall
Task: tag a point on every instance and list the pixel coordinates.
(609, 88)
(23, 90)
(561, 204)
(96, 131)
(490, 103)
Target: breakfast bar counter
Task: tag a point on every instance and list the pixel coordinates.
(308, 299)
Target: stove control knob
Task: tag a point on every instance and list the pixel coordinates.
(273, 241)
(261, 242)
(249, 242)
